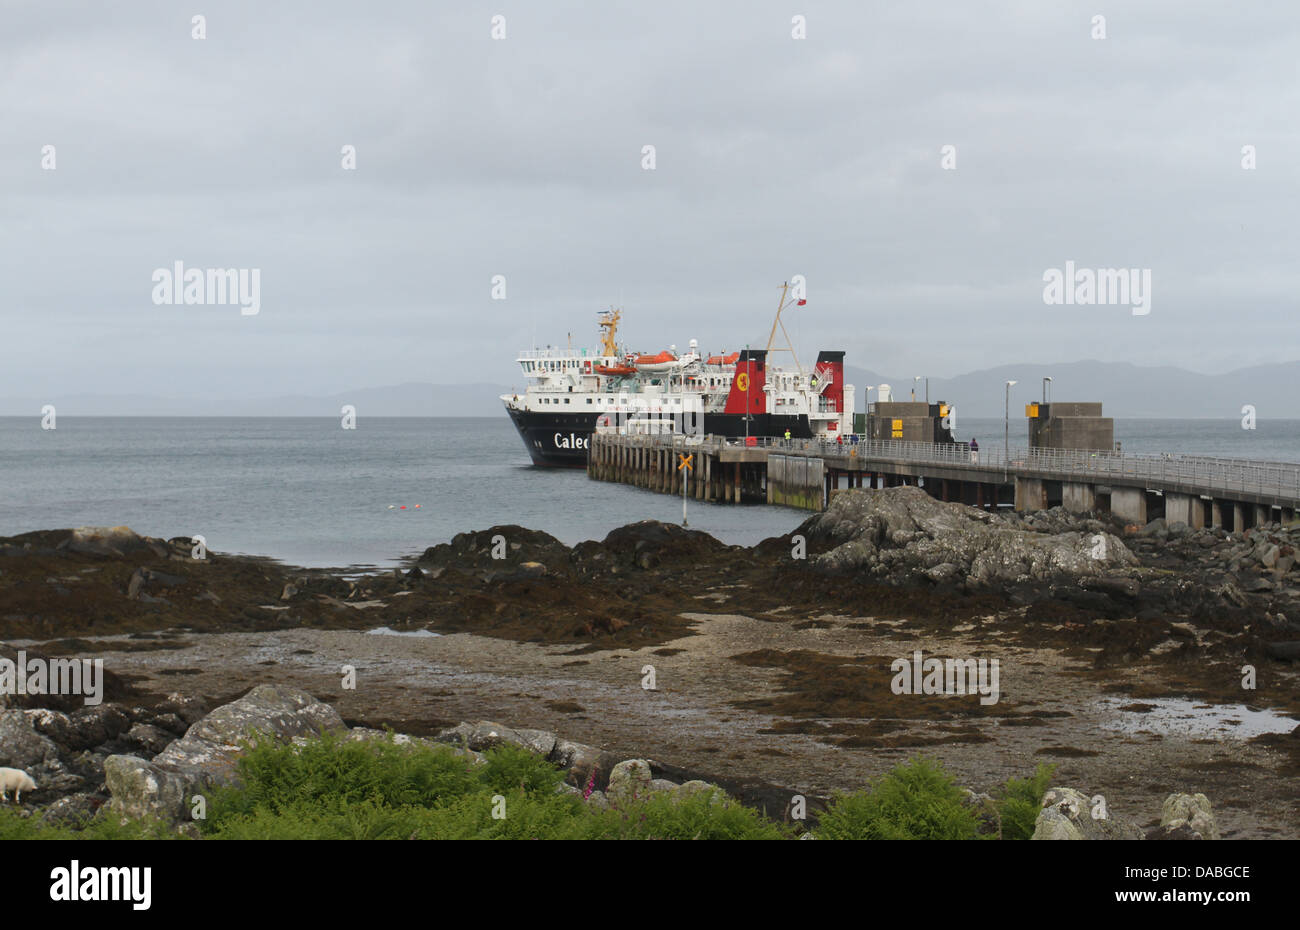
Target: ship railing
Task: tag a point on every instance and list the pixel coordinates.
(530, 355)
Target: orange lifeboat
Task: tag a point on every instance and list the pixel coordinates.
(661, 362)
(615, 371)
(723, 359)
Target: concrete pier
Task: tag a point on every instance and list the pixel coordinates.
(807, 473)
(1078, 497)
(1031, 494)
(1129, 504)
(1178, 509)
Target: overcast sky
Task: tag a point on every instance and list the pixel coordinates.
(522, 157)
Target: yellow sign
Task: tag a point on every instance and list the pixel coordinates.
(1031, 411)
(686, 462)
(897, 425)
(742, 381)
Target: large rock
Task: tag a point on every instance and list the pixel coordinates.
(651, 543)
(92, 726)
(580, 762)
(84, 728)
(21, 746)
(479, 735)
(630, 780)
(1070, 815)
(148, 737)
(110, 541)
(189, 709)
(903, 534)
(482, 735)
(369, 735)
(498, 552)
(988, 819)
(140, 788)
(1192, 811)
(207, 755)
(73, 810)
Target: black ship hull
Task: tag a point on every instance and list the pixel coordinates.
(561, 440)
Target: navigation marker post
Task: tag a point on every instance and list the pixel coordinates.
(684, 465)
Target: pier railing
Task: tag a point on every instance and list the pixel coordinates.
(1193, 472)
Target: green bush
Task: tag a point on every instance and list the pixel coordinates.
(1020, 801)
(14, 826)
(331, 788)
(511, 767)
(698, 816)
(103, 826)
(915, 801)
(336, 773)
(334, 788)
(466, 818)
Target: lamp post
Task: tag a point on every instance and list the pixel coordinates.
(686, 474)
(914, 380)
(1046, 382)
(1006, 434)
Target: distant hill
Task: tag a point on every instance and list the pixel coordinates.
(1125, 390)
(398, 400)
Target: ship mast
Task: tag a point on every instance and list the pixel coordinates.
(609, 328)
(789, 345)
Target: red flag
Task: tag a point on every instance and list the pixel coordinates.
(801, 302)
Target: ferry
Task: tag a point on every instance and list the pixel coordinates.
(572, 392)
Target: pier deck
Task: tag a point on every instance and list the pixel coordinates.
(1196, 490)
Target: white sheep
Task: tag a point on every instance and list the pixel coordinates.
(17, 781)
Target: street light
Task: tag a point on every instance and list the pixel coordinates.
(1006, 434)
(914, 380)
(1046, 382)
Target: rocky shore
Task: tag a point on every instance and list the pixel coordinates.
(901, 552)
(1191, 607)
(139, 770)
